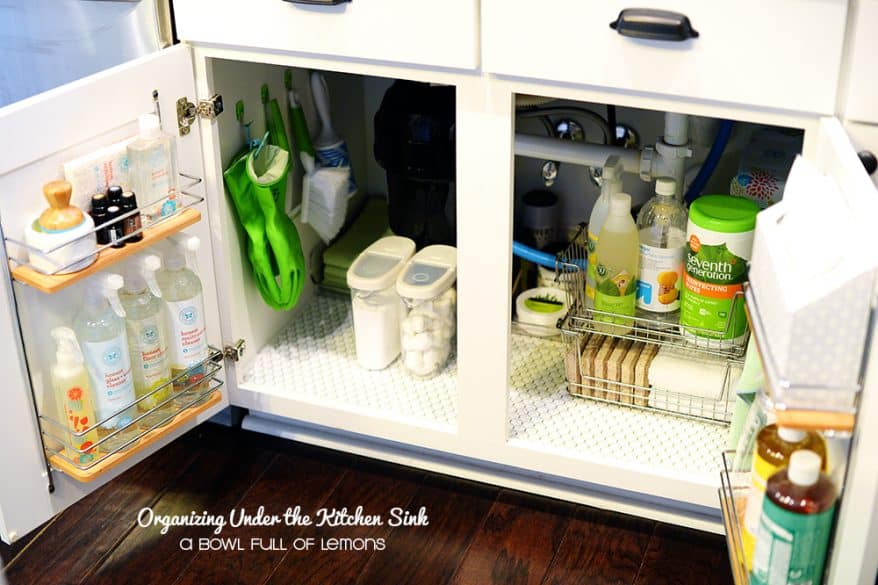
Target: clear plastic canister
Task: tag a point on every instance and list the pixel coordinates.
(376, 308)
(426, 286)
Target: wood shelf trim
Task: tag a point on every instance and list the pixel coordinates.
(92, 473)
(52, 283)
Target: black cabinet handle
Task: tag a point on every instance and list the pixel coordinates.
(869, 161)
(318, 2)
(656, 25)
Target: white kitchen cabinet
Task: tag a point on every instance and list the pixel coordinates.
(438, 34)
(783, 54)
(298, 376)
(859, 88)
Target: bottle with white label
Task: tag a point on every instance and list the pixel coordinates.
(147, 341)
(73, 391)
(661, 225)
(184, 316)
(152, 167)
(100, 328)
(612, 183)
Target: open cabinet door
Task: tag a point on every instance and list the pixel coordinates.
(854, 559)
(40, 134)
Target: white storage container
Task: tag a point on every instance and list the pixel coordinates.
(377, 308)
(427, 289)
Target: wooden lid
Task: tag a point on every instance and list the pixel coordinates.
(60, 215)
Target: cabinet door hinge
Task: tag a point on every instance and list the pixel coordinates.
(236, 351)
(187, 111)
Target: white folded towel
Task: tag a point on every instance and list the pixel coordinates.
(690, 382)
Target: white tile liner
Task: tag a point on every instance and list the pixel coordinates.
(544, 417)
(313, 360)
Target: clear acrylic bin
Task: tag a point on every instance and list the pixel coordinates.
(426, 286)
(377, 309)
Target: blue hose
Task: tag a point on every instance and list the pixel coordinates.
(709, 165)
(535, 256)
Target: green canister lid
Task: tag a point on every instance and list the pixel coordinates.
(724, 213)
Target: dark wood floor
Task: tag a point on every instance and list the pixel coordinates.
(477, 534)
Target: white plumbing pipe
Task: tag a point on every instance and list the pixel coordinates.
(676, 129)
(579, 153)
(674, 151)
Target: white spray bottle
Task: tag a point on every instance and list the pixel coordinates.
(612, 183)
(147, 339)
(184, 314)
(100, 328)
(73, 392)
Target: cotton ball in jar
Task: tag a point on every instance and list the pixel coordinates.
(414, 360)
(417, 323)
(418, 342)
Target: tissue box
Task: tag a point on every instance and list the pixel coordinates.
(765, 164)
(812, 276)
(94, 172)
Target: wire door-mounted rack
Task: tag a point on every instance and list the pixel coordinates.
(189, 393)
(733, 491)
(583, 322)
(53, 280)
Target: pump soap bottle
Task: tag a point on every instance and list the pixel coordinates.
(184, 315)
(618, 258)
(147, 341)
(72, 390)
(612, 183)
(100, 329)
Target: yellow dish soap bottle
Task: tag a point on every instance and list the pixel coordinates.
(618, 259)
(72, 390)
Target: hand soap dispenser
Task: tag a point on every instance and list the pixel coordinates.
(73, 392)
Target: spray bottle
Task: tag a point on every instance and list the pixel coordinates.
(184, 314)
(70, 382)
(612, 183)
(147, 340)
(100, 328)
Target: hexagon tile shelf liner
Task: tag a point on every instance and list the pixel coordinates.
(543, 414)
(314, 359)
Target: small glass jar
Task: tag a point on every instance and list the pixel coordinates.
(428, 327)
(376, 307)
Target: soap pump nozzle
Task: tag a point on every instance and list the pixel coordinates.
(110, 290)
(67, 353)
(612, 176)
(149, 265)
(183, 254)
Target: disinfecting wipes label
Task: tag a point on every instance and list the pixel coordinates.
(109, 369)
(188, 343)
(658, 287)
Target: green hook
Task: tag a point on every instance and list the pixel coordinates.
(239, 110)
(264, 93)
(288, 79)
